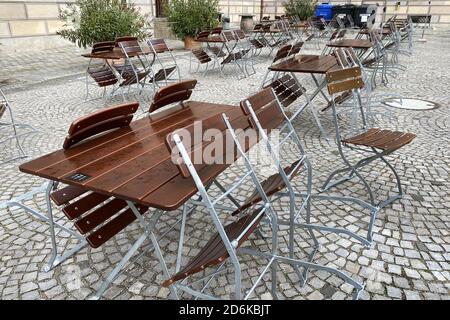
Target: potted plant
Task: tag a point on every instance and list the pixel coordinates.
(91, 21)
(188, 17)
(303, 9)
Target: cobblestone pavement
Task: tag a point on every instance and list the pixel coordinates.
(408, 260)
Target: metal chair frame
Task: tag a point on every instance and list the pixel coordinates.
(213, 205)
(160, 55)
(350, 170)
(12, 124)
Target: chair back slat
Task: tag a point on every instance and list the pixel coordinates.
(203, 34)
(216, 31)
(130, 47)
(125, 38)
(282, 53)
(100, 121)
(158, 45)
(344, 80)
(258, 100)
(105, 46)
(228, 35)
(343, 74)
(176, 92)
(286, 89)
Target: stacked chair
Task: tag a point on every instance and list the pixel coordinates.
(9, 129)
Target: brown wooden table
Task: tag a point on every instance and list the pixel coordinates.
(312, 64)
(133, 163)
(306, 64)
(351, 43)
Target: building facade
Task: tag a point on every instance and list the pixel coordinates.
(33, 23)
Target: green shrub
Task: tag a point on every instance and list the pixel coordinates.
(91, 21)
(300, 8)
(189, 17)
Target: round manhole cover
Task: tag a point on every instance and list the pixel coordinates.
(411, 104)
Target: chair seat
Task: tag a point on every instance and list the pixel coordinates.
(214, 252)
(271, 185)
(163, 74)
(386, 140)
(92, 213)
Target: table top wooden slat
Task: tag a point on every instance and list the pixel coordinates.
(306, 64)
(351, 43)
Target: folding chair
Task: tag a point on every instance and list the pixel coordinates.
(162, 52)
(376, 142)
(174, 93)
(373, 101)
(263, 107)
(6, 107)
(235, 54)
(246, 46)
(102, 74)
(224, 244)
(137, 67)
(97, 217)
(201, 58)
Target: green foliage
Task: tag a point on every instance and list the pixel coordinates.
(189, 17)
(91, 21)
(300, 8)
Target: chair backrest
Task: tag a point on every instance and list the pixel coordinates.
(129, 47)
(173, 93)
(105, 46)
(228, 35)
(282, 53)
(257, 27)
(158, 45)
(100, 121)
(240, 34)
(334, 35)
(124, 38)
(216, 31)
(203, 34)
(344, 80)
(286, 89)
(296, 47)
(342, 58)
(265, 104)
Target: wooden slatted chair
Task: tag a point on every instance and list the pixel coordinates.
(96, 217)
(378, 142)
(174, 93)
(163, 53)
(102, 74)
(201, 58)
(262, 108)
(136, 62)
(229, 237)
(9, 129)
(235, 53)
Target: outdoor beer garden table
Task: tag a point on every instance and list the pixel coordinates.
(311, 64)
(133, 164)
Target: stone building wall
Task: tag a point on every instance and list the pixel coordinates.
(33, 23)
